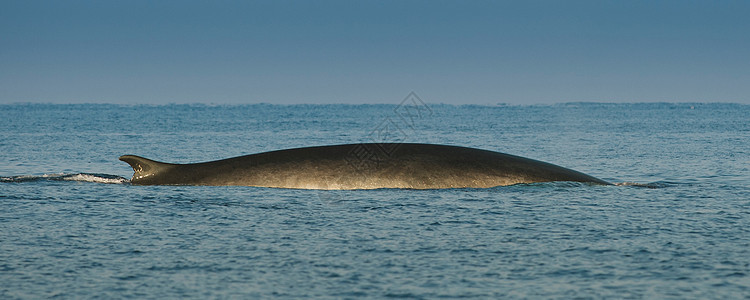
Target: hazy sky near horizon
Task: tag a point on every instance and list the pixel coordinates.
(458, 52)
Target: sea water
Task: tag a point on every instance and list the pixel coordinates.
(676, 225)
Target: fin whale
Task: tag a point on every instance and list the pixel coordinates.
(359, 166)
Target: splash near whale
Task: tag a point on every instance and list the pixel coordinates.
(359, 166)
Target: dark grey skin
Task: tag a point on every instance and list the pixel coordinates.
(359, 166)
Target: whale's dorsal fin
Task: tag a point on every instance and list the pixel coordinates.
(144, 167)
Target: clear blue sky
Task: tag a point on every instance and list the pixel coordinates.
(481, 52)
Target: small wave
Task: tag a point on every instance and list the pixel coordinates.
(651, 185)
(80, 177)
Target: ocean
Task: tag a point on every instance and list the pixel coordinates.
(675, 226)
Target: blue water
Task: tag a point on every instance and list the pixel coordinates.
(677, 225)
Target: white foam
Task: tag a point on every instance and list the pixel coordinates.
(652, 185)
(83, 177)
(79, 177)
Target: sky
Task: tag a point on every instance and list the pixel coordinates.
(455, 52)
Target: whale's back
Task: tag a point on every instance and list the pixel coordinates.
(360, 166)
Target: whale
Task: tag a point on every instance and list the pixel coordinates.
(359, 166)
